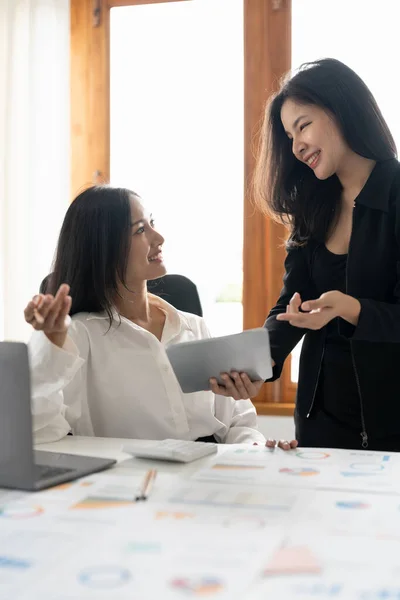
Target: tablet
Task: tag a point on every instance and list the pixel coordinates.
(195, 362)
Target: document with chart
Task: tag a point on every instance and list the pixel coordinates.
(309, 468)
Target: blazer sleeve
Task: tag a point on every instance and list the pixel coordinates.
(283, 336)
(380, 321)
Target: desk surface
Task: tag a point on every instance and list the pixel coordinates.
(245, 524)
(112, 448)
(90, 446)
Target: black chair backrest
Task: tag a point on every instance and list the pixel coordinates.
(178, 290)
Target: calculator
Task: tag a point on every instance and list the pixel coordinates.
(173, 450)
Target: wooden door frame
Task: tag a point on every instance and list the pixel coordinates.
(267, 52)
(90, 89)
(267, 55)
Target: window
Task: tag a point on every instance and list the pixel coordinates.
(176, 137)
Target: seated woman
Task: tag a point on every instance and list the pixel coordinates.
(105, 372)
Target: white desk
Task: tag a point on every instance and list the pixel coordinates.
(228, 539)
(112, 448)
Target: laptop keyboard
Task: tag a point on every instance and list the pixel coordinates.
(45, 472)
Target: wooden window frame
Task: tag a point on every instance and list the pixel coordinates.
(267, 52)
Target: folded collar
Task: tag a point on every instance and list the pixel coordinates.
(377, 190)
(177, 320)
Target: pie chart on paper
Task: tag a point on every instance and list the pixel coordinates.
(312, 454)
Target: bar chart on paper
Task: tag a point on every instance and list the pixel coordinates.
(228, 496)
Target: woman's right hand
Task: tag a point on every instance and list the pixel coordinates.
(49, 314)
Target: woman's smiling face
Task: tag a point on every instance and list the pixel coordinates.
(317, 140)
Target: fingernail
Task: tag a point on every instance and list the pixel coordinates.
(306, 306)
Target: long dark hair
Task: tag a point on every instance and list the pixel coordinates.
(286, 188)
(93, 247)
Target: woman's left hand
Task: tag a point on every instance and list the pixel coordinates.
(317, 313)
(282, 444)
(236, 385)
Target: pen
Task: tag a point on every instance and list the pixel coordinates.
(38, 316)
(147, 485)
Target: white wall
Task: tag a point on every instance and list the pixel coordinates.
(278, 428)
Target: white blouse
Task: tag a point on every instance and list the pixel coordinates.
(118, 382)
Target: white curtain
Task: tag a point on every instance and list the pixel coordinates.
(34, 149)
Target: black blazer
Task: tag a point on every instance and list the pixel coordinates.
(373, 277)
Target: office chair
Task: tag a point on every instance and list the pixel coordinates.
(178, 290)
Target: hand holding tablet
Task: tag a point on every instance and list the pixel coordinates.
(236, 385)
(195, 363)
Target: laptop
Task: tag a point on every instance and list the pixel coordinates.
(21, 467)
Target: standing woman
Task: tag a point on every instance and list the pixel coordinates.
(327, 166)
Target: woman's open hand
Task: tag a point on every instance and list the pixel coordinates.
(314, 314)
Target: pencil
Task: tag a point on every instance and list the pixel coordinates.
(147, 485)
